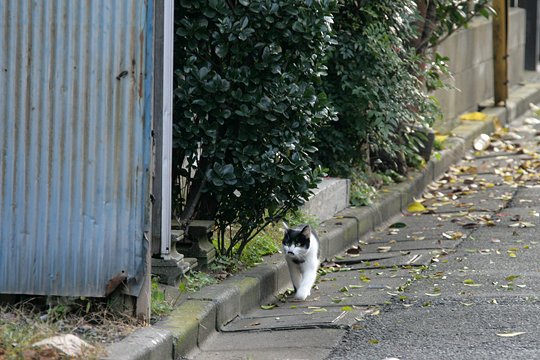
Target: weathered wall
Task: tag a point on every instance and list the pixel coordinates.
(471, 63)
(75, 145)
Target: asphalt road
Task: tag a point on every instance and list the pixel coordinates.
(479, 300)
(474, 304)
(447, 330)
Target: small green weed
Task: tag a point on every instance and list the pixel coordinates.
(364, 185)
(294, 218)
(438, 145)
(159, 304)
(196, 280)
(266, 243)
(361, 193)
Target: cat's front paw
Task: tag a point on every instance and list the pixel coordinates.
(301, 295)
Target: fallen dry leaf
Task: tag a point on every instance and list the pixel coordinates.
(511, 334)
(470, 225)
(522, 224)
(355, 250)
(531, 121)
(453, 235)
(470, 282)
(398, 225)
(473, 116)
(416, 207)
(440, 138)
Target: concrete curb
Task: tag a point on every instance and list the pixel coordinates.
(206, 311)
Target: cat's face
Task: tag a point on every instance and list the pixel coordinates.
(296, 242)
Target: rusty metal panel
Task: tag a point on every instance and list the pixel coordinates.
(75, 145)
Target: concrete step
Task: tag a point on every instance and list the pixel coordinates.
(330, 197)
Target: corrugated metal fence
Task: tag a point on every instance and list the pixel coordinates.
(75, 145)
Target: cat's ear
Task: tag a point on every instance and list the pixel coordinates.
(285, 230)
(306, 231)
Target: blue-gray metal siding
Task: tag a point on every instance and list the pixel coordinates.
(75, 144)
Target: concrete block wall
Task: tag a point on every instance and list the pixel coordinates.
(471, 64)
(330, 196)
(516, 45)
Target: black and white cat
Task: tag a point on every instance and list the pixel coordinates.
(301, 249)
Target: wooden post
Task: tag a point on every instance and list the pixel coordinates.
(160, 240)
(500, 51)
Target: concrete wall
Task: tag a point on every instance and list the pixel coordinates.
(471, 63)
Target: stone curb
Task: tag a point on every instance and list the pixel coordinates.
(206, 311)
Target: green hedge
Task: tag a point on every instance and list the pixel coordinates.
(270, 91)
(246, 110)
(374, 83)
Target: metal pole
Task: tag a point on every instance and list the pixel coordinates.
(162, 127)
(166, 152)
(500, 51)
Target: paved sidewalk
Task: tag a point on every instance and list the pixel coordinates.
(490, 195)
